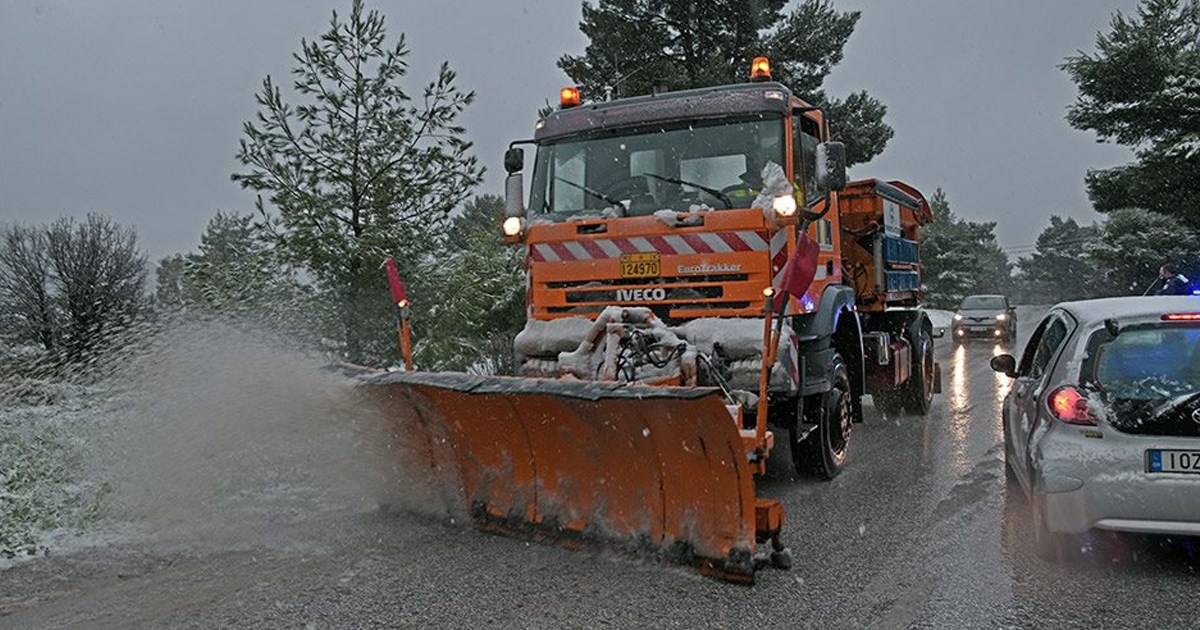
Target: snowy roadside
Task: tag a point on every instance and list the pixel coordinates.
(46, 498)
(202, 434)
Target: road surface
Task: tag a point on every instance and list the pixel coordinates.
(917, 532)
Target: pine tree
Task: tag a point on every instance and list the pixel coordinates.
(1062, 267)
(357, 170)
(472, 327)
(638, 45)
(1141, 89)
(1134, 244)
(959, 258)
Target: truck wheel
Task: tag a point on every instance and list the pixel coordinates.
(824, 452)
(918, 391)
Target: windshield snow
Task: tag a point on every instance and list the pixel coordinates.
(1151, 363)
(637, 172)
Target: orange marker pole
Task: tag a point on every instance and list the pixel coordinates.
(406, 340)
(402, 304)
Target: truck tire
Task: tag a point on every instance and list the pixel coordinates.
(917, 393)
(823, 453)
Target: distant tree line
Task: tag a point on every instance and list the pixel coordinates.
(1141, 89)
(349, 166)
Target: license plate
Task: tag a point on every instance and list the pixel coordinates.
(641, 265)
(1174, 461)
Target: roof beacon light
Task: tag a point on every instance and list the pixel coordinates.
(568, 97)
(760, 69)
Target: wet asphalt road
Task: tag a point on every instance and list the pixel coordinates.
(917, 532)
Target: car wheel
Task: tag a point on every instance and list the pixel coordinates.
(1049, 545)
(823, 453)
(1010, 475)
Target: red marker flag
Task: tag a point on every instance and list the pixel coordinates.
(800, 271)
(394, 279)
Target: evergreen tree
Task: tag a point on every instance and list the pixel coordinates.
(473, 325)
(960, 258)
(1062, 267)
(171, 286)
(638, 45)
(1141, 89)
(358, 169)
(1136, 243)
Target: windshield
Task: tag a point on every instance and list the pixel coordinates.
(680, 167)
(982, 303)
(1153, 363)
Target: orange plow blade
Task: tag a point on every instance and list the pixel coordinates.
(643, 469)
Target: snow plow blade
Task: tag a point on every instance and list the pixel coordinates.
(646, 470)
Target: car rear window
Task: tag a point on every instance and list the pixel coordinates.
(1149, 363)
(982, 302)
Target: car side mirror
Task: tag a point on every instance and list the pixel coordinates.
(514, 160)
(1005, 364)
(831, 166)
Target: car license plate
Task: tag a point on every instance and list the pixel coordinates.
(641, 265)
(1174, 461)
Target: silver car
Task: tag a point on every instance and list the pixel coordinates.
(1102, 423)
(989, 316)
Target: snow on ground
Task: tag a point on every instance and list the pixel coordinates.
(205, 434)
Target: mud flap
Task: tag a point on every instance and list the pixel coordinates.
(647, 470)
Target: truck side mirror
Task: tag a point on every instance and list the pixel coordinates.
(831, 166)
(514, 160)
(514, 194)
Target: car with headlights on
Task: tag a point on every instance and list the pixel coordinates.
(989, 316)
(1102, 422)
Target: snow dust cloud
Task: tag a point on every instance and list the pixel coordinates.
(214, 434)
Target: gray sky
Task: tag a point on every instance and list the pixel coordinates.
(134, 107)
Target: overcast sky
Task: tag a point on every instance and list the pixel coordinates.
(134, 107)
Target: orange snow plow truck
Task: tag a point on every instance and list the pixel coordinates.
(663, 349)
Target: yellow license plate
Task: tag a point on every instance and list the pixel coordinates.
(641, 265)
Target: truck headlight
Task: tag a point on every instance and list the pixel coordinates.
(513, 226)
(784, 206)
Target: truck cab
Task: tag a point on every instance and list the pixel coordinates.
(691, 204)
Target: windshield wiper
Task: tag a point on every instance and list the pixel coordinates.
(712, 191)
(595, 193)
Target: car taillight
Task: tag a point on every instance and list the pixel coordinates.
(1068, 405)
(1181, 317)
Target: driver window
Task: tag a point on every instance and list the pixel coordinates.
(1031, 347)
(1051, 339)
(805, 137)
